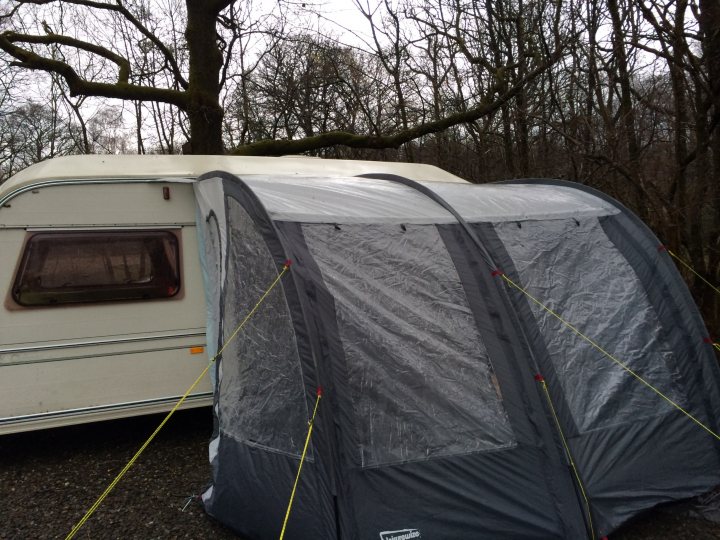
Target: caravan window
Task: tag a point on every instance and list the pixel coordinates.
(97, 266)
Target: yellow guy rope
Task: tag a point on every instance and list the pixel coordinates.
(606, 353)
(686, 265)
(541, 380)
(132, 461)
(302, 460)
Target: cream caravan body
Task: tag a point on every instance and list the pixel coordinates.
(104, 309)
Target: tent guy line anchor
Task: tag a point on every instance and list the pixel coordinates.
(188, 501)
(111, 486)
(711, 341)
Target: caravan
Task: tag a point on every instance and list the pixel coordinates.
(103, 313)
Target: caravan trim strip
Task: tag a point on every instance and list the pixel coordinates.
(97, 342)
(9, 420)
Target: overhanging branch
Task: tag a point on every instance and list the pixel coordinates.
(119, 7)
(57, 39)
(79, 86)
(343, 138)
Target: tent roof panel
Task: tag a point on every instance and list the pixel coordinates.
(346, 200)
(367, 200)
(519, 202)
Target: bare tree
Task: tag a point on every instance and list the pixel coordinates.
(195, 90)
(193, 85)
(31, 133)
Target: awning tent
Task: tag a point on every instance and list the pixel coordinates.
(435, 421)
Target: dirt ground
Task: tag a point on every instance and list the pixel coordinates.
(48, 480)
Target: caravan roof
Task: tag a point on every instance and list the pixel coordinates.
(170, 166)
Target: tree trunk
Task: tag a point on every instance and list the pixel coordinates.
(627, 111)
(521, 101)
(709, 22)
(204, 111)
(678, 196)
(495, 50)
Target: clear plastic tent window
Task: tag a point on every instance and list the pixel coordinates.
(421, 381)
(573, 266)
(261, 392)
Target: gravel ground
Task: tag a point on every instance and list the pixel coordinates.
(48, 479)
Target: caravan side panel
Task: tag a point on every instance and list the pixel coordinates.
(64, 359)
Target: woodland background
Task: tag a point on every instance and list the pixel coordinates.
(621, 95)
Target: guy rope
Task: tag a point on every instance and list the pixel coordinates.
(607, 354)
(699, 276)
(302, 460)
(111, 486)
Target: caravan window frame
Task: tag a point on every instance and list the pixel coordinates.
(162, 249)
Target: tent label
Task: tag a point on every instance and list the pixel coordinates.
(404, 534)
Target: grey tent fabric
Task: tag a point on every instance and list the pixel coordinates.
(574, 264)
(432, 422)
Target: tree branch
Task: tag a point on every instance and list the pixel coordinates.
(216, 6)
(118, 7)
(49, 39)
(333, 138)
(79, 86)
